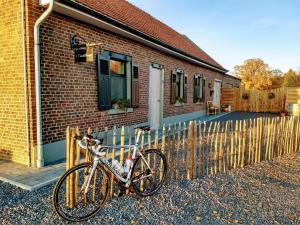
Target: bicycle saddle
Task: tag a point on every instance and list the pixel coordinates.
(90, 140)
(145, 128)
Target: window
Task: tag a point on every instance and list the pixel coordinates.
(116, 81)
(117, 67)
(199, 88)
(178, 87)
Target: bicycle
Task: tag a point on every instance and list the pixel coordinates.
(145, 172)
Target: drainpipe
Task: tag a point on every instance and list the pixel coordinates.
(25, 83)
(41, 19)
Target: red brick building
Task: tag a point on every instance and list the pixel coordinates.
(139, 64)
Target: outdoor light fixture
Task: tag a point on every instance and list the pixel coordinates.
(84, 51)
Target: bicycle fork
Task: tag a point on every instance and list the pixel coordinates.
(88, 179)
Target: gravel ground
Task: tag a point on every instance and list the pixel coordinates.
(268, 193)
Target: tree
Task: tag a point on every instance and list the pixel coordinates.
(291, 79)
(255, 73)
(277, 78)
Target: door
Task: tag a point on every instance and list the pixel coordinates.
(217, 93)
(155, 96)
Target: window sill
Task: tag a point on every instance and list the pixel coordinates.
(199, 103)
(119, 111)
(177, 104)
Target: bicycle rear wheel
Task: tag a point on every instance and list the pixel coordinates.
(71, 203)
(145, 182)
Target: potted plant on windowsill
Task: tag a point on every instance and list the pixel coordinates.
(179, 101)
(199, 100)
(123, 104)
(115, 104)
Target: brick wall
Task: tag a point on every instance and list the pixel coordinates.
(69, 90)
(12, 95)
(66, 86)
(229, 81)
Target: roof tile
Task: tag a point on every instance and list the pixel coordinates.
(131, 16)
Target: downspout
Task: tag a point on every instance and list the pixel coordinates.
(40, 20)
(25, 83)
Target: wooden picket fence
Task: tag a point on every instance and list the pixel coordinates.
(200, 148)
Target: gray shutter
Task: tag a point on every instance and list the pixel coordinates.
(173, 88)
(135, 93)
(104, 83)
(203, 89)
(185, 88)
(195, 84)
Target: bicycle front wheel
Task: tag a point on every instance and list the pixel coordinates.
(149, 173)
(69, 198)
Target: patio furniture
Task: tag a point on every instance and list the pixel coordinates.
(211, 108)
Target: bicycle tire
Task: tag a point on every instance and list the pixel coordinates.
(136, 173)
(103, 192)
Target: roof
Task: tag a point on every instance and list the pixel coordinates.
(127, 14)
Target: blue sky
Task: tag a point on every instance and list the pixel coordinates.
(234, 30)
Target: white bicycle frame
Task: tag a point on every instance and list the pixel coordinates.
(100, 159)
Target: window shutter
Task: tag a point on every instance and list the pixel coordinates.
(185, 88)
(104, 83)
(203, 89)
(195, 89)
(135, 87)
(173, 88)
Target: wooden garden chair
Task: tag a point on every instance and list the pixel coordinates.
(211, 109)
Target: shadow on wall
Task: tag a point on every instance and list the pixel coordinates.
(5, 154)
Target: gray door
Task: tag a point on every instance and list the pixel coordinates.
(155, 97)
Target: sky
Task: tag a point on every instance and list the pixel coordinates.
(232, 31)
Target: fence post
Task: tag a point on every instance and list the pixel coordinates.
(122, 144)
(177, 151)
(199, 149)
(215, 155)
(183, 161)
(220, 155)
(192, 149)
(169, 146)
(156, 147)
(163, 143)
(226, 160)
(231, 144)
(249, 141)
(142, 164)
(112, 159)
(207, 147)
(211, 151)
(72, 161)
(68, 164)
(172, 153)
(244, 143)
(240, 142)
(297, 147)
(236, 142)
(77, 161)
(260, 136)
